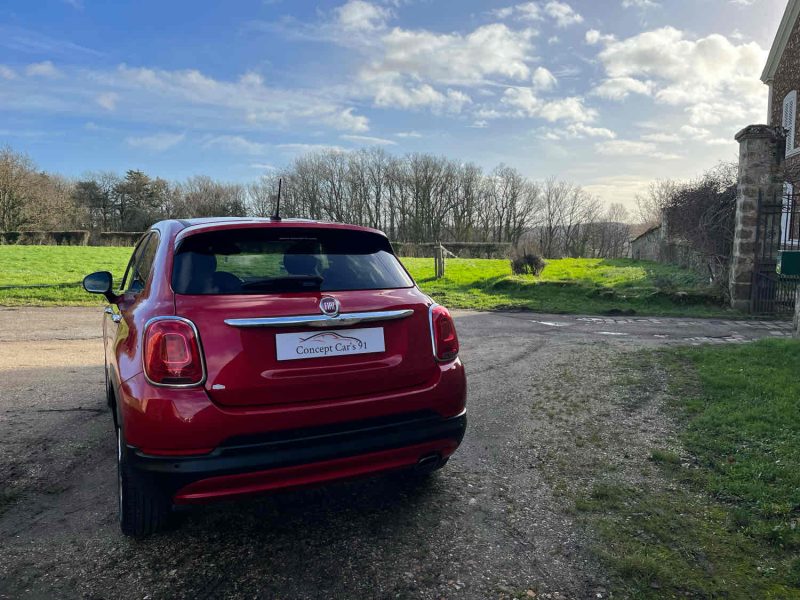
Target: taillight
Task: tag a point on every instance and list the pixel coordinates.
(172, 353)
(443, 334)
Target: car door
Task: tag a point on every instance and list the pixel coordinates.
(117, 323)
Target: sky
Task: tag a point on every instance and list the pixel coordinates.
(610, 94)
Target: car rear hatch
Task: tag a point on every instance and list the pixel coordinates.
(257, 294)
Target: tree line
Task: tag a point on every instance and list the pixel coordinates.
(413, 198)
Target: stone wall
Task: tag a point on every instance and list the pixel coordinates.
(648, 245)
(787, 79)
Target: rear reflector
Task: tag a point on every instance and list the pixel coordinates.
(443, 334)
(172, 355)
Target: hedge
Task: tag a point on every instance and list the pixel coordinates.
(45, 238)
(460, 249)
(118, 238)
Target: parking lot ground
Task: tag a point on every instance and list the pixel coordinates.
(546, 411)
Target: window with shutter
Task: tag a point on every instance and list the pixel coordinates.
(790, 120)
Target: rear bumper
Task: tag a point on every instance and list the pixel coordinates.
(256, 464)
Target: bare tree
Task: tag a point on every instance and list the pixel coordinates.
(651, 204)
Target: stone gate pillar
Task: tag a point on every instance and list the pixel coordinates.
(797, 315)
(760, 173)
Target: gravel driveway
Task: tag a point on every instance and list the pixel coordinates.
(545, 410)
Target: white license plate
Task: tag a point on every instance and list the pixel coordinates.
(319, 344)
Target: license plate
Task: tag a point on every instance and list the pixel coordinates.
(319, 344)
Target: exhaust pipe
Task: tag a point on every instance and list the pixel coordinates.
(429, 463)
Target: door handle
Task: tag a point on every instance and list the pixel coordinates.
(116, 318)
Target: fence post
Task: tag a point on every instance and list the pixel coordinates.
(438, 261)
(797, 314)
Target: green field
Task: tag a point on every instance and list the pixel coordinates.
(725, 521)
(51, 275)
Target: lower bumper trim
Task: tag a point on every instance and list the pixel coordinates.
(172, 473)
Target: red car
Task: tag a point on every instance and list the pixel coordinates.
(249, 355)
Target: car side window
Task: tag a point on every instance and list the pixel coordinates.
(145, 263)
(140, 264)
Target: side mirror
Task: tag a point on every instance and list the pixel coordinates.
(100, 283)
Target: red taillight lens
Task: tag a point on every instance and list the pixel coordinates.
(443, 329)
(172, 353)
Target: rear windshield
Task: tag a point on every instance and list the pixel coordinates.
(285, 259)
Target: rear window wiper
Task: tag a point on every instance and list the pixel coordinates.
(287, 283)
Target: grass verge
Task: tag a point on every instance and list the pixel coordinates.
(51, 275)
(724, 521)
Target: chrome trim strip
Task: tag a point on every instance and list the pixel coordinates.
(433, 336)
(322, 321)
(199, 347)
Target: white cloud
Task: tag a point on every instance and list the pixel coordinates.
(357, 15)
(563, 14)
(720, 142)
(7, 72)
(391, 94)
(619, 188)
(619, 88)
(369, 140)
(713, 79)
(527, 11)
(107, 100)
(523, 99)
(639, 3)
(452, 59)
(579, 130)
(662, 138)
(480, 124)
(263, 166)
(408, 134)
(527, 104)
(593, 37)
(575, 131)
(157, 142)
(191, 97)
(632, 148)
(695, 132)
(235, 144)
(345, 119)
(42, 69)
(543, 79)
(567, 109)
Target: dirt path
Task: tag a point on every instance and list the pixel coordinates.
(546, 413)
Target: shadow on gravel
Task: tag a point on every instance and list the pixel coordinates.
(318, 542)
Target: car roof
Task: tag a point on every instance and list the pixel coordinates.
(186, 227)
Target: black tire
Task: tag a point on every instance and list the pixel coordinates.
(143, 509)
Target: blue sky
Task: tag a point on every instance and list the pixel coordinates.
(608, 93)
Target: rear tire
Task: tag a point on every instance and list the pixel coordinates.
(143, 509)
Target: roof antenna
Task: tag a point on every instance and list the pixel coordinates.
(277, 215)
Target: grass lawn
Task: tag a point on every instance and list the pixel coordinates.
(51, 275)
(570, 285)
(727, 522)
